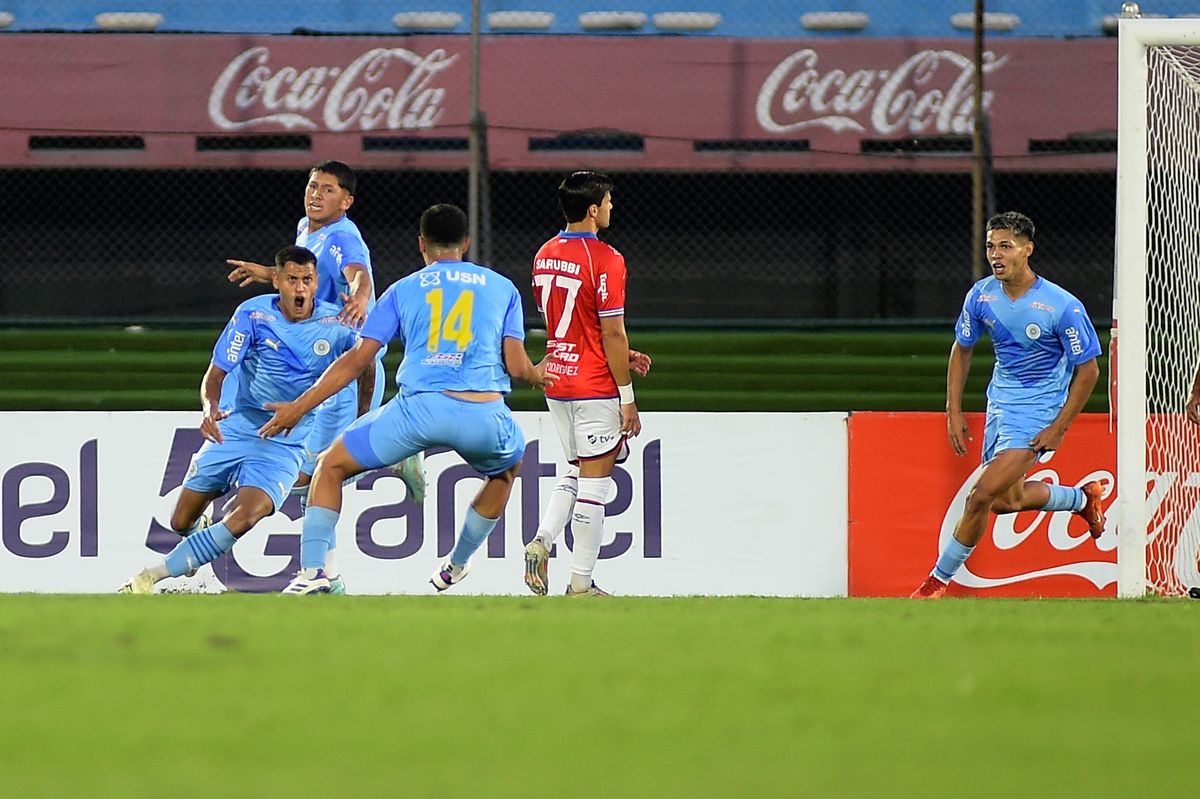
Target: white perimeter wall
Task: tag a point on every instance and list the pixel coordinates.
(740, 503)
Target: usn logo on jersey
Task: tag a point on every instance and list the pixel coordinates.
(431, 279)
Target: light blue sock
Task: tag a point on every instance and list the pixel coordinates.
(1064, 498)
(474, 532)
(199, 548)
(951, 558)
(317, 536)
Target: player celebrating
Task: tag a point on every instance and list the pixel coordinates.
(1041, 335)
(344, 266)
(463, 331)
(281, 343)
(579, 284)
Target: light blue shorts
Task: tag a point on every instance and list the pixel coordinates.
(333, 416)
(1013, 428)
(483, 433)
(244, 459)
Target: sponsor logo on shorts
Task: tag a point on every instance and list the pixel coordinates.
(321, 347)
(601, 440)
(1033, 331)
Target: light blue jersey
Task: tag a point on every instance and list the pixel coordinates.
(278, 360)
(453, 317)
(336, 245)
(1039, 339)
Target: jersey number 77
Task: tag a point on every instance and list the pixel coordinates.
(571, 285)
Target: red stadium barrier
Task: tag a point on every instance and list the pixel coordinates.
(907, 490)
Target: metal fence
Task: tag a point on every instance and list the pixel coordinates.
(701, 247)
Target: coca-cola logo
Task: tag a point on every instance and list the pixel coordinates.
(389, 88)
(1057, 547)
(930, 92)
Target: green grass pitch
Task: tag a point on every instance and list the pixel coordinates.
(452, 696)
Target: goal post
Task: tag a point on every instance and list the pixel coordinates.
(1156, 305)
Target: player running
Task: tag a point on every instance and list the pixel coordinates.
(463, 330)
(579, 285)
(280, 343)
(1041, 335)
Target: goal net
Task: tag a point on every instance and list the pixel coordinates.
(1157, 306)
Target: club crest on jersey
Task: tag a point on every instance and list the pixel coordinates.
(1033, 331)
(321, 347)
(431, 279)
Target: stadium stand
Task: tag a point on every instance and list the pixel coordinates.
(772, 19)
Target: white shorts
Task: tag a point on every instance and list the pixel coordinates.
(589, 429)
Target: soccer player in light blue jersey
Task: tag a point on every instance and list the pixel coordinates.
(345, 279)
(1046, 351)
(463, 329)
(279, 344)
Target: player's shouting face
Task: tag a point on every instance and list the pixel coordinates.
(1008, 254)
(324, 199)
(297, 285)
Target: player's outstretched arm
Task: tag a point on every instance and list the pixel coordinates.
(1193, 403)
(210, 400)
(246, 272)
(519, 367)
(366, 388)
(354, 303)
(956, 381)
(339, 374)
(1086, 375)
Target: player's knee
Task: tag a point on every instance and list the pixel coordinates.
(980, 501)
(594, 489)
(182, 521)
(1004, 505)
(336, 464)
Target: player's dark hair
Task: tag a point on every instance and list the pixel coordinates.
(579, 191)
(295, 255)
(1015, 221)
(344, 174)
(444, 225)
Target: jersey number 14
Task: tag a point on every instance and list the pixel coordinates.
(456, 326)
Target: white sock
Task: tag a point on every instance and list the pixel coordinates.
(587, 525)
(562, 500)
(331, 564)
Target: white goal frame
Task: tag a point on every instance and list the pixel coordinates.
(1129, 287)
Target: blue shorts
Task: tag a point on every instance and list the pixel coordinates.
(333, 416)
(1013, 428)
(483, 433)
(244, 459)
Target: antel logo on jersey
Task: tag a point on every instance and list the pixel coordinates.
(321, 347)
(1046, 541)
(929, 92)
(389, 88)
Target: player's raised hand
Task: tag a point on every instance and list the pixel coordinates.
(957, 431)
(639, 363)
(246, 272)
(354, 311)
(287, 416)
(209, 427)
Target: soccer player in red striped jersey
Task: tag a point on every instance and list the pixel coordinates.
(579, 285)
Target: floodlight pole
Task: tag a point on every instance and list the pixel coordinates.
(977, 153)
